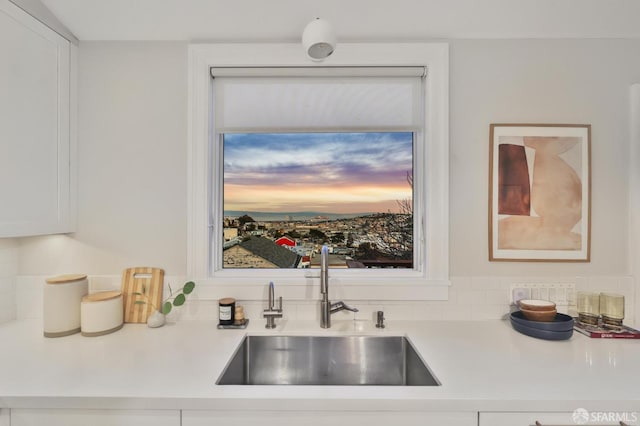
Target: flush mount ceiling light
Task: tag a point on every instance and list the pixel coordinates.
(318, 39)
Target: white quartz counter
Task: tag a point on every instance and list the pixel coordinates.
(483, 366)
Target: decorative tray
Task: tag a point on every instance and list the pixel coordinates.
(559, 329)
(239, 326)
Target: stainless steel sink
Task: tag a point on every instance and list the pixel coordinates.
(327, 360)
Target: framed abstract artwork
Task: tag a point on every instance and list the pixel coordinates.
(540, 192)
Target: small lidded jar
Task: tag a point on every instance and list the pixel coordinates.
(101, 313)
(227, 308)
(62, 296)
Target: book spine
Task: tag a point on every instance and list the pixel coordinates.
(618, 336)
(599, 335)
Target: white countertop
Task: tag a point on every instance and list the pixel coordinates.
(482, 365)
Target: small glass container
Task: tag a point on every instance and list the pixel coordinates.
(612, 309)
(227, 308)
(588, 307)
(238, 318)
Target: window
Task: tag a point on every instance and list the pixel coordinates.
(250, 99)
(287, 194)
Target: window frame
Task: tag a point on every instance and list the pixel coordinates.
(430, 282)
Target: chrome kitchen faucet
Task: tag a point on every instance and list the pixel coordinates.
(326, 307)
(271, 313)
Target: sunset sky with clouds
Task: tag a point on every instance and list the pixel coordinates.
(317, 172)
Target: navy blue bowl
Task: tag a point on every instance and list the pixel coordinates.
(542, 334)
(561, 322)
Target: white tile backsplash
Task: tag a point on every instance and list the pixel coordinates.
(29, 297)
(454, 313)
(424, 311)
(7, 299)
(496, 297)
(470, 298)
(8, 273)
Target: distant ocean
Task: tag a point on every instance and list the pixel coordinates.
(281, 216)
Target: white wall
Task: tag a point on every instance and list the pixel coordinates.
(541, 81)
(634, 177)
(132, 164)
(132, 153)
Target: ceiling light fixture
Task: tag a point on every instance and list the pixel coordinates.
(318, 39)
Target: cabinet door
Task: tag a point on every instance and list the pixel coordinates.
(578, 417)
(324, 418)
(35, 98)
(5, 420)
(73, 417)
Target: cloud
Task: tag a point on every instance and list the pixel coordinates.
(334, 157)
(278, 171)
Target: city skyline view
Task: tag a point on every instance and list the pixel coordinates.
(342, 173)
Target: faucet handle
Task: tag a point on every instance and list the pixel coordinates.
(349, 308)
(280, 304)
(339, 306)
(380, 320)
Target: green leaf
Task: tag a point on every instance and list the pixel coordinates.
(139, 302)
(188, 287)
(179, 300)
(138, 294)
(166, 308)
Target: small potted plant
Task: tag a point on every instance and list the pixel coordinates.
(158, 317)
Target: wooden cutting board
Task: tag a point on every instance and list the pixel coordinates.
(148, 281)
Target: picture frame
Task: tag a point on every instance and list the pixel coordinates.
(540, 192)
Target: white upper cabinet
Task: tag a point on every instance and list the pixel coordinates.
(35, 132)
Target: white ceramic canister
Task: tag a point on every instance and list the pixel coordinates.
(102, 313)
(61, 304)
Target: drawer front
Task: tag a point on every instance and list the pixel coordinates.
(579, 417)
(325, 418)
(75, 417)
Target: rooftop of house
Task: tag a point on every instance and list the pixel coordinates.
(269, 250)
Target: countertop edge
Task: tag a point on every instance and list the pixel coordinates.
(312, 404)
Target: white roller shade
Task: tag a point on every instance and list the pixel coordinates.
(320, 99)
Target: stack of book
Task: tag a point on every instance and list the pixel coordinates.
(603, 332)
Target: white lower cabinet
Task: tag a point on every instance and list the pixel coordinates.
(5, 420)
(324, 418)
(578, 417)
(75, 417)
